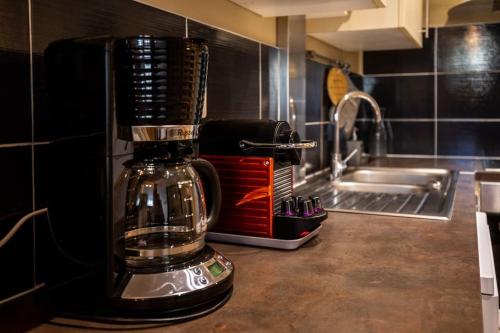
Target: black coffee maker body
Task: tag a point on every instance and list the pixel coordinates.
(128, 204)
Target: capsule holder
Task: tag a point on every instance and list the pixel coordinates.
(294, 227)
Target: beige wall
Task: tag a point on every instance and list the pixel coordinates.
(326, 50)
(222, 14)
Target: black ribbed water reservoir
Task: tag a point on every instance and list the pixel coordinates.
(160, 81)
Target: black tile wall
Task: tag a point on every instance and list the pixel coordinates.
(327, 145)
(468, 138)
(469, 48)
(403, 137)
(403, 96)
(15, 79)
(15, 97)
(41, 174)
(313, 156)
(269, 82)
(469, 95)
(233, 82)
(17, 256)
(465, 67)
(410, 137)
(315, 97)
(401, 61)
(14, 34)
(234, 90)
(60, 19)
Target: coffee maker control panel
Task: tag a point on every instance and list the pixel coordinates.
(178, 282)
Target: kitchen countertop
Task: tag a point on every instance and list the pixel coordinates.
(363, 273)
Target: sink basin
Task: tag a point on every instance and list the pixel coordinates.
(487, 190)
(392, 180)
(408, 192)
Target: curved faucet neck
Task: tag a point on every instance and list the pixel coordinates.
(358, 95)
(335, 117)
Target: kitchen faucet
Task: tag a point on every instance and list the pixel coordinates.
(339, 165)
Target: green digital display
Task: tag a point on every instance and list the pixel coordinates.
(216, 269)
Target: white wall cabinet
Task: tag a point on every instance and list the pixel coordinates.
(310, 8)
(396, 26)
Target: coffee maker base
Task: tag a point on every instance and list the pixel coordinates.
(84, 300)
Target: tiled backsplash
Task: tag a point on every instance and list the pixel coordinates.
(439, 100)
(318, 106)
(243, 83)
(442, 100)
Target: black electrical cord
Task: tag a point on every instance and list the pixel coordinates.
(140, 323)
(66, 254)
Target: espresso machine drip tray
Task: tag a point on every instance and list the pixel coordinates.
(274, 243)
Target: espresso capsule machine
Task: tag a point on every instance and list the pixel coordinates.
(254, 160)
(131, 204)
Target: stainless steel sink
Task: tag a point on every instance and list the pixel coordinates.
(409, 192)
(487, 190)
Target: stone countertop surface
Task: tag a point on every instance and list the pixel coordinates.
(363, 273)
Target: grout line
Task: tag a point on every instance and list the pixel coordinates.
(490, 71)
(441, 120)
(278, 109)
(260, 81)
(33, 194)
(321, 143)
(21, 144)
(24, 144)
(487, 71)
(288, 82)
(435, 92)
(312, 123)
(398, 74)
(423, 120)
(451, 157)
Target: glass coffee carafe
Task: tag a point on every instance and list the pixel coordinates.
(165, 215)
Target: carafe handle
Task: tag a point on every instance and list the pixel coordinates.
(211, 181)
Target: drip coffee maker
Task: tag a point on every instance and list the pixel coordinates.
(147, 200)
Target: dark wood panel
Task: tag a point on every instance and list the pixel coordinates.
(233, 74)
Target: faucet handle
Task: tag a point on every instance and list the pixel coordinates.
(349, 157)
(339, 164)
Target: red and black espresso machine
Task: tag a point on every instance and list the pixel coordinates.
(254, 160)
